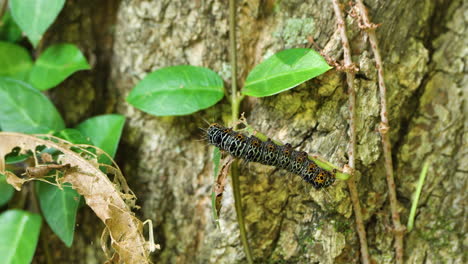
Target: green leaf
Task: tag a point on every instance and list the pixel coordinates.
(25, 109)
(35, 16)
(55, 65)
(73, 135)
(104, 131)
(283, 71)
(16, 158)
(19, 232)
(9, 30)
(177, 90)
(14, 61)
(6, 190)
(59, 208)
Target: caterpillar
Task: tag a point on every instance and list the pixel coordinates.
(252, 149)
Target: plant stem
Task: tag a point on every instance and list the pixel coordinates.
(417, 194)
(3, 8)
(233, 56)
(238, 206)
(235, 105)
(384, 128)
(352, 134)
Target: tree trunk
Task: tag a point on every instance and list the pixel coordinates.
(423, 45)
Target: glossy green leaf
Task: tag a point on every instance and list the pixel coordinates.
(15, 61)
(283, 71)
(178, 90)
(6, 190)
(73, 135)
(104, 131)
(59, 208)
(19, 232)
(55, 64)
(9, 30)
(35, 16)
(25, 109)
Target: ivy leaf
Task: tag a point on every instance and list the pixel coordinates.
(55, 64)
(15, 61)
(104, 131)
(35, 16)
(25, 109)
(283, 71)
(19, 232)
(59, 208)
(6, 190)
(177, 90)
(9, 30)
(73, 135)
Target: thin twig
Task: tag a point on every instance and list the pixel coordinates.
(235, 105)
(384, 128)
(352, 124)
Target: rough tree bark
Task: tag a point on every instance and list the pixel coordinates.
(423, 45)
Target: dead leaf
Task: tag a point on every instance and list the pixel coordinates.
(221, 180)
(106, 199)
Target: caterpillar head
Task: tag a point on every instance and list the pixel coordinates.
(214, 135)
(214, 128)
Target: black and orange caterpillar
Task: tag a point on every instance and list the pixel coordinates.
(268, 153)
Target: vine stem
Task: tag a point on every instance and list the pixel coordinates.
(3, 8)
(384, 128)
(233, 56)
(348, 65)
(235, 105)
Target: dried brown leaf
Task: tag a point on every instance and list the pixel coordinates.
(221, 180)
(111, 202)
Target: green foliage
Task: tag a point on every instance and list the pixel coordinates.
(104, 131)
(25, 109)
(15, 61)
(9, 30)
(19, 232)
(35, 16)
(55, 64)
(73, 135)
(59, 208)
(178, 90)
(283, 71)
(184, 89)
(6, 190)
